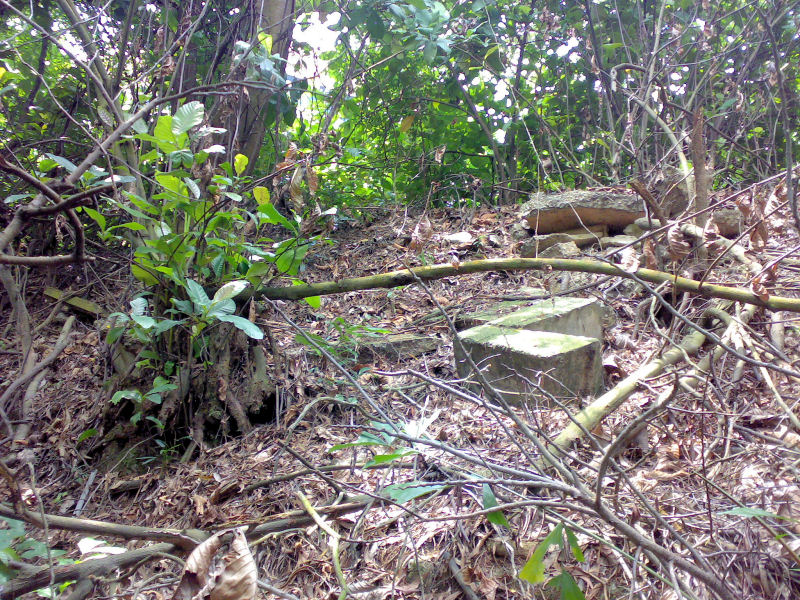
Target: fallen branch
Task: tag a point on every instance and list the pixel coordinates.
(408, 276)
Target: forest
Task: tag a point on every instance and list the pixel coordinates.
(414, 299)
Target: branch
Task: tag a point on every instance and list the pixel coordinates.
(440, 271)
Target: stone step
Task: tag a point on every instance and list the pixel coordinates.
(483, 316)
(520, 363)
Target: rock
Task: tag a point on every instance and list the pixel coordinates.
(560, 212)
(398, 345)
(729, 221)
(494, 240)
(671, 190)
(519, 232)
(618, 241)
(534, 246)
(634, 230)
(561, 250)
(462, 239)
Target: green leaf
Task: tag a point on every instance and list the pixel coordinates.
(197, 294)
(143, 275)
(407, 121)
(144, 321)
(313, 301)
(251, 329)
(566, 586)
(230, 290)
(187, 116)
(223, 307)
(533, 571)
(163, 136)
(380, 459)
(96, 217)
(135, 395)
(63, 162)
(746, 511)
(573, 545)
(403, 492)
(274, 217)
(489, 501)
(240, 163)
(86, 435)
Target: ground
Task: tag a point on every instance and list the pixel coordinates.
(729, 441)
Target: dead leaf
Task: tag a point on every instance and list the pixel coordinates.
(219, 571)
(629, 261)
(438, 154)
(679, 246)
(421, 234)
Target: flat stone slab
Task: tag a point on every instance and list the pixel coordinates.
(549, 213)
(566, 314)
(481, 317)
(517, 362)
(396, 345)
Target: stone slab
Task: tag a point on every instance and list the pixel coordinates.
(483, 316)
(396, 345)
(566, 314)
(565, 366)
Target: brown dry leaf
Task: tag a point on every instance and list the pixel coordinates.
(295, 192)
(649, 252)
(217, 571)
(312, 180)
(629, 260)
(710, 231)
(291, 152)
(438, 154)
(423, 232)
(759, 290)
(679, 246)
(743, 203)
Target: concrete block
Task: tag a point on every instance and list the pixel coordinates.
(481, 317)
(566, 366)
(564, 314)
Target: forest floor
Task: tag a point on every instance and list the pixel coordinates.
(690, 464)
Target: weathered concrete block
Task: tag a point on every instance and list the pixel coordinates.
(481, 317)
(516, 361)
(566, 314)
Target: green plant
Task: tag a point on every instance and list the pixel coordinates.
(16, 545)
(533, 570)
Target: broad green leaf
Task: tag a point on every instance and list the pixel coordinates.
(223, 307)
(365, 439)
(240, 163)
(63, 162)
(96, 217)
(261, 194)
(266, 41)
(163, 136)
(566, 586)
(143, 275)
(230, 290)
(251, 329)
(143, 321)
(197, 294)
(274, 217)
(123, 394)
(313, 301)
(533, 571)
(187, 116)
(403, 492)
(138, 306)
(489, 501)
(407, 121)
(132, 225)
